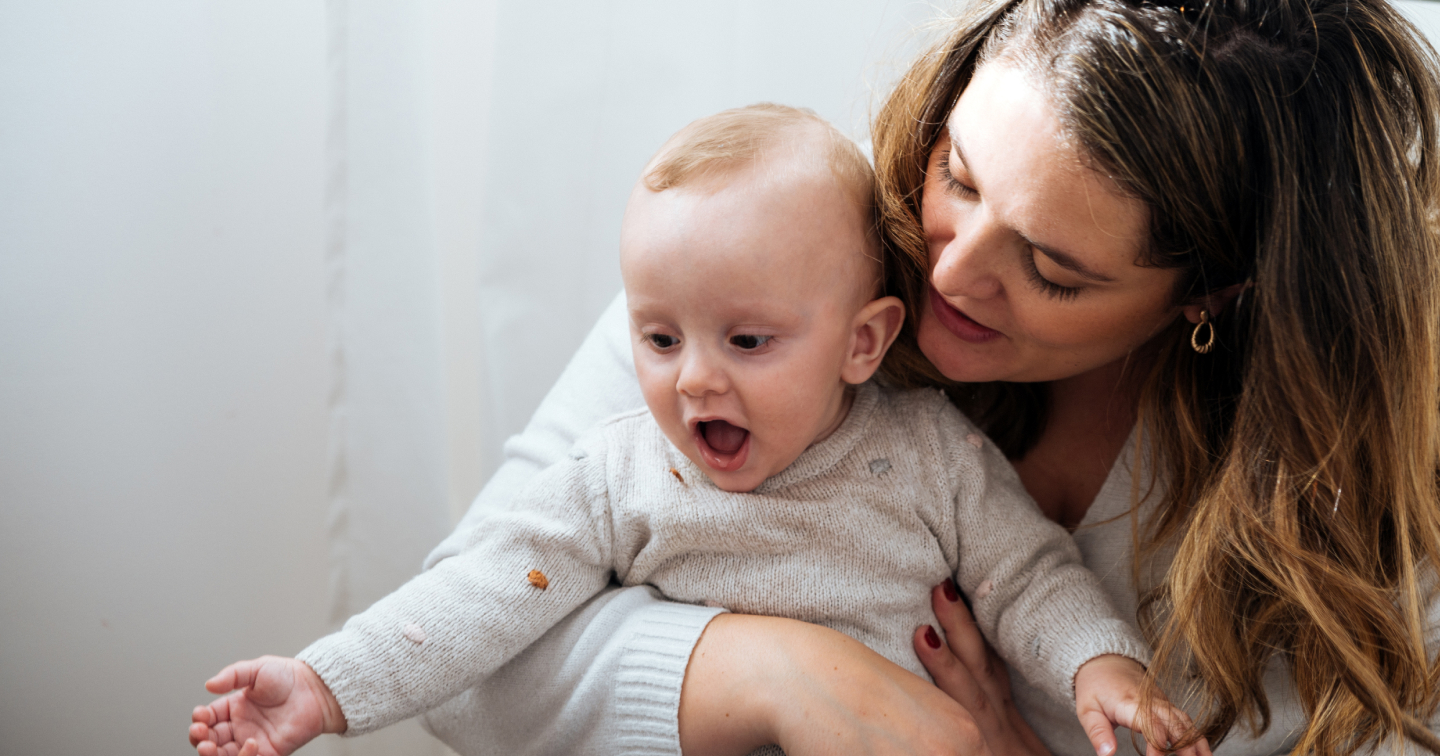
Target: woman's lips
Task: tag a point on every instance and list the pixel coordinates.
(958, 322)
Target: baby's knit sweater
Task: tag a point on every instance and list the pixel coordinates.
(853, 535)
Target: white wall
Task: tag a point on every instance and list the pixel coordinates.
(276, 279)
(162, 359)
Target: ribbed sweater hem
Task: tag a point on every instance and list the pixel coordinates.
(650, 676)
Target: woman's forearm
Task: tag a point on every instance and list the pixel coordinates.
(754, 681)
(724, 706)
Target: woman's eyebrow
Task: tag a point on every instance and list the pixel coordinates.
(1063, 259)
(1071, 263)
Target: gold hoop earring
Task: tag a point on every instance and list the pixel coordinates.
(1210, 337)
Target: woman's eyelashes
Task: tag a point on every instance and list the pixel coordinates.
(952, 184)
(1043, 284)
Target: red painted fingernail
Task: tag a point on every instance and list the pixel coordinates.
(950, 593)
(932, 639)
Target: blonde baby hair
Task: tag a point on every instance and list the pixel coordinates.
(776, 138)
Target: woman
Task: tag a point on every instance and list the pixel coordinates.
(1180, 261)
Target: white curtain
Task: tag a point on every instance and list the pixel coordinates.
(277, 278)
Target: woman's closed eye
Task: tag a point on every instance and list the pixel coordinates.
(952, 184)
(749, 342)
(1043, 284)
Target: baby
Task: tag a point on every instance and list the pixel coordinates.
(769, 475)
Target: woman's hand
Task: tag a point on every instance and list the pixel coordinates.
(754, 681)
(970, 672)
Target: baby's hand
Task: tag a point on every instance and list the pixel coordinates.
(275, 706)
(1107, 693)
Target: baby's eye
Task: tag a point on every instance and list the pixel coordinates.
(749, 341)
(661, 340)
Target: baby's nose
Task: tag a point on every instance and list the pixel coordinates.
(700, 375)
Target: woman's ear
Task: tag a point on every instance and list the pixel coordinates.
(1213, 302)
(873, 331)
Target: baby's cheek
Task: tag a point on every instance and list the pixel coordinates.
(666, 414)
(801, 417)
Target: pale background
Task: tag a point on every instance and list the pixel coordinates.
(276, 280)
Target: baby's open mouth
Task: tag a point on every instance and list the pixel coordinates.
(723, 446)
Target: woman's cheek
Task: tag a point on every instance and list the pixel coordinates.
(1077, 335)
(1090, 331)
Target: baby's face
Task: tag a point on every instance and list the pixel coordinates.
(742, 294)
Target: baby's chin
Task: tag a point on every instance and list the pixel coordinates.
(743, 480)
(732, 486)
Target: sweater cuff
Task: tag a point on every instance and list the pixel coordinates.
(1065, 653)
(651, 673)
(327, 657)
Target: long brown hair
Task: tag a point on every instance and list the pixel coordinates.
(1286, 148)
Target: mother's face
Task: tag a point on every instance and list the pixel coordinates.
(1032, 254)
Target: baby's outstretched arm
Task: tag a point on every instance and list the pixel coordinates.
(274, 706)
(1107, 693)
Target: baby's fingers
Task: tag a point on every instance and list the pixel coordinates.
(1168, 726)
(1199, 748)
(1098, 729)
(206, 725)
(199, 733)
(210, 749)
(1179, 727)
(238, 675)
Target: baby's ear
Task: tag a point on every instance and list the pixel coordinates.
(873, 331)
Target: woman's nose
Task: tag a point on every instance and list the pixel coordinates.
(970, 259)
(701, 374)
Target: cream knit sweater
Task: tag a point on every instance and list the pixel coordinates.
(853, 535)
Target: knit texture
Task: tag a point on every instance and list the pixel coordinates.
(853, 535)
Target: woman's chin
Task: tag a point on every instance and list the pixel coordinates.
(958, 359)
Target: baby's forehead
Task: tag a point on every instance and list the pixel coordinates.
(792, 230)
(762, 188)
(806, 196)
